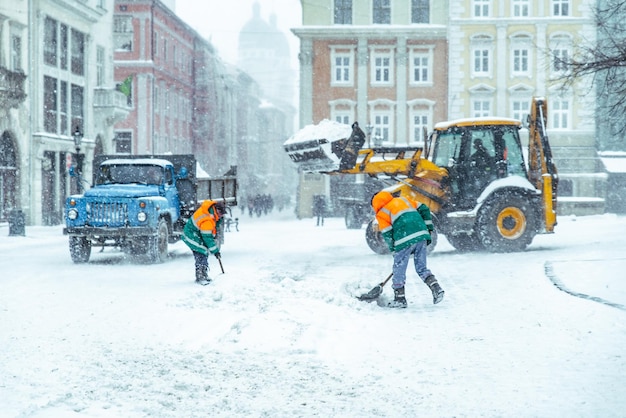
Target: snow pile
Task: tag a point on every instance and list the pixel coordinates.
(326, 129)
(534, 334)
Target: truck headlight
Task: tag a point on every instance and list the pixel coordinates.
(72, 214)
(141, 216)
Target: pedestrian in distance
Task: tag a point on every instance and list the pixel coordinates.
(200, 235)
(406, 226)
(319, 208)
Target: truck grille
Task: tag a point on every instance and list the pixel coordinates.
(107, 213)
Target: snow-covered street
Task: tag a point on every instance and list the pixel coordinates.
(534, 334)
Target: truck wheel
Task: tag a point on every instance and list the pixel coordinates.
(80, 249)
(375, 239)
(157, 248)
(506, 223)
(353, 218)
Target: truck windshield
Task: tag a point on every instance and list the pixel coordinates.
(129, 173)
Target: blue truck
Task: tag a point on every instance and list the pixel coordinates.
(140, 204)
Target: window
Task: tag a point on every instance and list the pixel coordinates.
(341, 68)
(63, 111)
(481, 108)
(381, 128)
(559, 60)
(155, 44)
(50, 104)
(481, 61)
(560, 7)
(520, 108)
(560, 48)
(513, 153)
(420, 11)
(481, 55)
(342, 118)
(63, 46)
(560, 114)
(77, 106)
(521, 47)
(520, 8)
(481, 8)
(419, 123)
(99, 66)
(343, 12)
(123, 142)
(78, 52)
(420, 67)
(123, 33)
(520, 61)
(50, 39)
(16, 53)
(382, 68)
(58, 99)
(382, 11)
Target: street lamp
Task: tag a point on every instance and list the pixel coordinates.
(78, 139)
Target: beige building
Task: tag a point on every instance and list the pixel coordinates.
(502, 53)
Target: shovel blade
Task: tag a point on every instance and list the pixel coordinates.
(372, 294)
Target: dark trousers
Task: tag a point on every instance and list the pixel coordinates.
(202, 261)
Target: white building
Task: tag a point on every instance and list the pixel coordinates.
(65, 51)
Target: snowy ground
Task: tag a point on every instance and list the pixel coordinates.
(281, 335)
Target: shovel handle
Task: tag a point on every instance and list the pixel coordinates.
(221, 266)
(387, 279)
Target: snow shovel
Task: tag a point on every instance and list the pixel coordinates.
(375, 292)
(219, 258)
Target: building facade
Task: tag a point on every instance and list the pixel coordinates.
(65, 51)
(502, 53)
(399, 65)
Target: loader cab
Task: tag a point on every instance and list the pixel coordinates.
(476, 152)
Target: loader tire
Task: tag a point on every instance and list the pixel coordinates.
(465, 242)
(353, 218)
(507, 222)
(375, 239)
(377, 243)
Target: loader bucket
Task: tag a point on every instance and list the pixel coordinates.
(324, 147)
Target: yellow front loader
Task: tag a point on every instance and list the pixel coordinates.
(471, 173)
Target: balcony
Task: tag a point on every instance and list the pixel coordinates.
(12, 92)
(110, 104)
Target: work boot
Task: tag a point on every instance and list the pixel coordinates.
(202, 277)
(437, 291)
(399, 301)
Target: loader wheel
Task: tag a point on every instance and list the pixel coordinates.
(80, 249)
(507, 223)
(465, 242)
(377, 243)
(375, 239)
(353, 218)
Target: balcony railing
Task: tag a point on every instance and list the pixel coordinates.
(111, 104)
(12, 92)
